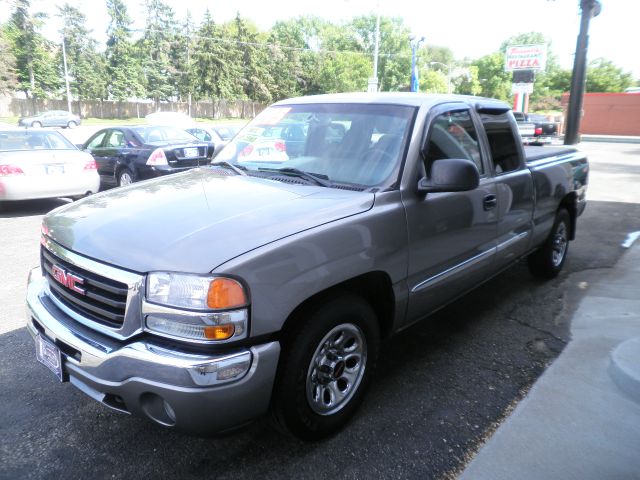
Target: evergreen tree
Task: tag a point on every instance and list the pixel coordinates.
(181, 59)
(155, 46)
(36, 68)
(8, 79)
(85, 65)
(124, 73)
(216, 64)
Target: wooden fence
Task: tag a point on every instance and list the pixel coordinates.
(122, 110)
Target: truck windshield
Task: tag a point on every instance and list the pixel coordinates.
(358, 144)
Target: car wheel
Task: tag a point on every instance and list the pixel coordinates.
(548, 260)
(326, 364)
(72, 124)
(125, 177)
(36, 125)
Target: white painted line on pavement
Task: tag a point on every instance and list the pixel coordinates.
(632, 237)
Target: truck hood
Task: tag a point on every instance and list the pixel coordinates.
(195, 221)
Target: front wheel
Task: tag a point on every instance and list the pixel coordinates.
(548, 260)
(326, 365)
(36, 125)
(72, 124)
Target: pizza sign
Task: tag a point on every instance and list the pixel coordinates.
(525, 57)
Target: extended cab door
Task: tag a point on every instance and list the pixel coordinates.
(514, 186)
(452, 236)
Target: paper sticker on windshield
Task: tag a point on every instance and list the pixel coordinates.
(271, 116)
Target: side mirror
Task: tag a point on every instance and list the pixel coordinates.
(450, 175)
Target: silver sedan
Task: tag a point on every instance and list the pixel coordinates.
(43, 164)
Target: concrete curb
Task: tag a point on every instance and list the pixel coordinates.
(610, 138)
(625, 367)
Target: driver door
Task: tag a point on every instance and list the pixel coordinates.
(452, 235)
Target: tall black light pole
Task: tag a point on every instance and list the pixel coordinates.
(590, 9)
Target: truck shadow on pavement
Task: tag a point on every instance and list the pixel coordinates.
(29, 208)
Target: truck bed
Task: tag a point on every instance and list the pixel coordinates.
(538, 153)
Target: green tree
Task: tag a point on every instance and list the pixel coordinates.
(155, 50)
(494, 81)
(433, 81)
(467, 82)
(255, 77)
(85, 65)
(604, 76)
(123, 70)
(8, 79)
(215, 61)
(394, 62)
(36, 68)
(181, 58)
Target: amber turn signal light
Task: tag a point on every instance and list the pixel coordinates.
(225, 293)
(219, 332)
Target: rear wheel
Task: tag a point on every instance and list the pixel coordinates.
(125, 177)
(326, 365)
(548, 260)
(72, 124)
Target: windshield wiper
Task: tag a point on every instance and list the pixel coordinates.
(321, 180)
(238, 169)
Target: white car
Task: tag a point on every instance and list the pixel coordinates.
(43, 164)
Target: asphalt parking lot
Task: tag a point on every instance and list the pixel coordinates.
(441, 387)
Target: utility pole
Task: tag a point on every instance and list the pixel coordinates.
(373, 81)
(590, 9)
(66, 75)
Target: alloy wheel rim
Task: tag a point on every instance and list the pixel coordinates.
(125, 179)
(336, 369)
(559, 246)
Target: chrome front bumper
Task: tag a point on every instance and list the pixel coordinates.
(193, 392)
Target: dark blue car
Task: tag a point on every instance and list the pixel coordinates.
(128, 154)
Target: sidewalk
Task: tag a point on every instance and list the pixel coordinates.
(581, 419)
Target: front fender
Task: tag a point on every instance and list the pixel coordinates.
(283, 274)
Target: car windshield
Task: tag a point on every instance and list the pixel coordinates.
(33, 140)
(150, 134)
(359, 144)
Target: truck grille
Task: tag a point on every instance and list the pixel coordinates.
(104, 300)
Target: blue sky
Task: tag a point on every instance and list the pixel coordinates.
(471, 28)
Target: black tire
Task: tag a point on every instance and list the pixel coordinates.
(302, 403)
(36, 125)
(125, 177)
(71, 124)
(548, 260)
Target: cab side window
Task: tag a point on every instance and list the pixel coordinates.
(502, 142)
(453, 135)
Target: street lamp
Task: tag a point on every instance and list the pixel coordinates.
(448, 67)
(415, 43)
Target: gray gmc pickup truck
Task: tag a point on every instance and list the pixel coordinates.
(266, 282)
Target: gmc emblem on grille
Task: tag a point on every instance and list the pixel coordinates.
(67, 279)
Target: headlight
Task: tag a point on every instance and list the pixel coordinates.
(189, 307)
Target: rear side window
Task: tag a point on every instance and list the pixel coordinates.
(502, 142)
(453, 135)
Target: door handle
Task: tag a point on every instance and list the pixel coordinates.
(490, 201)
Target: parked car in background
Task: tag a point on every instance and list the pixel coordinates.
(43, 164)
(216, 136)
(536, 129)
(127, 154)
(52, 118)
